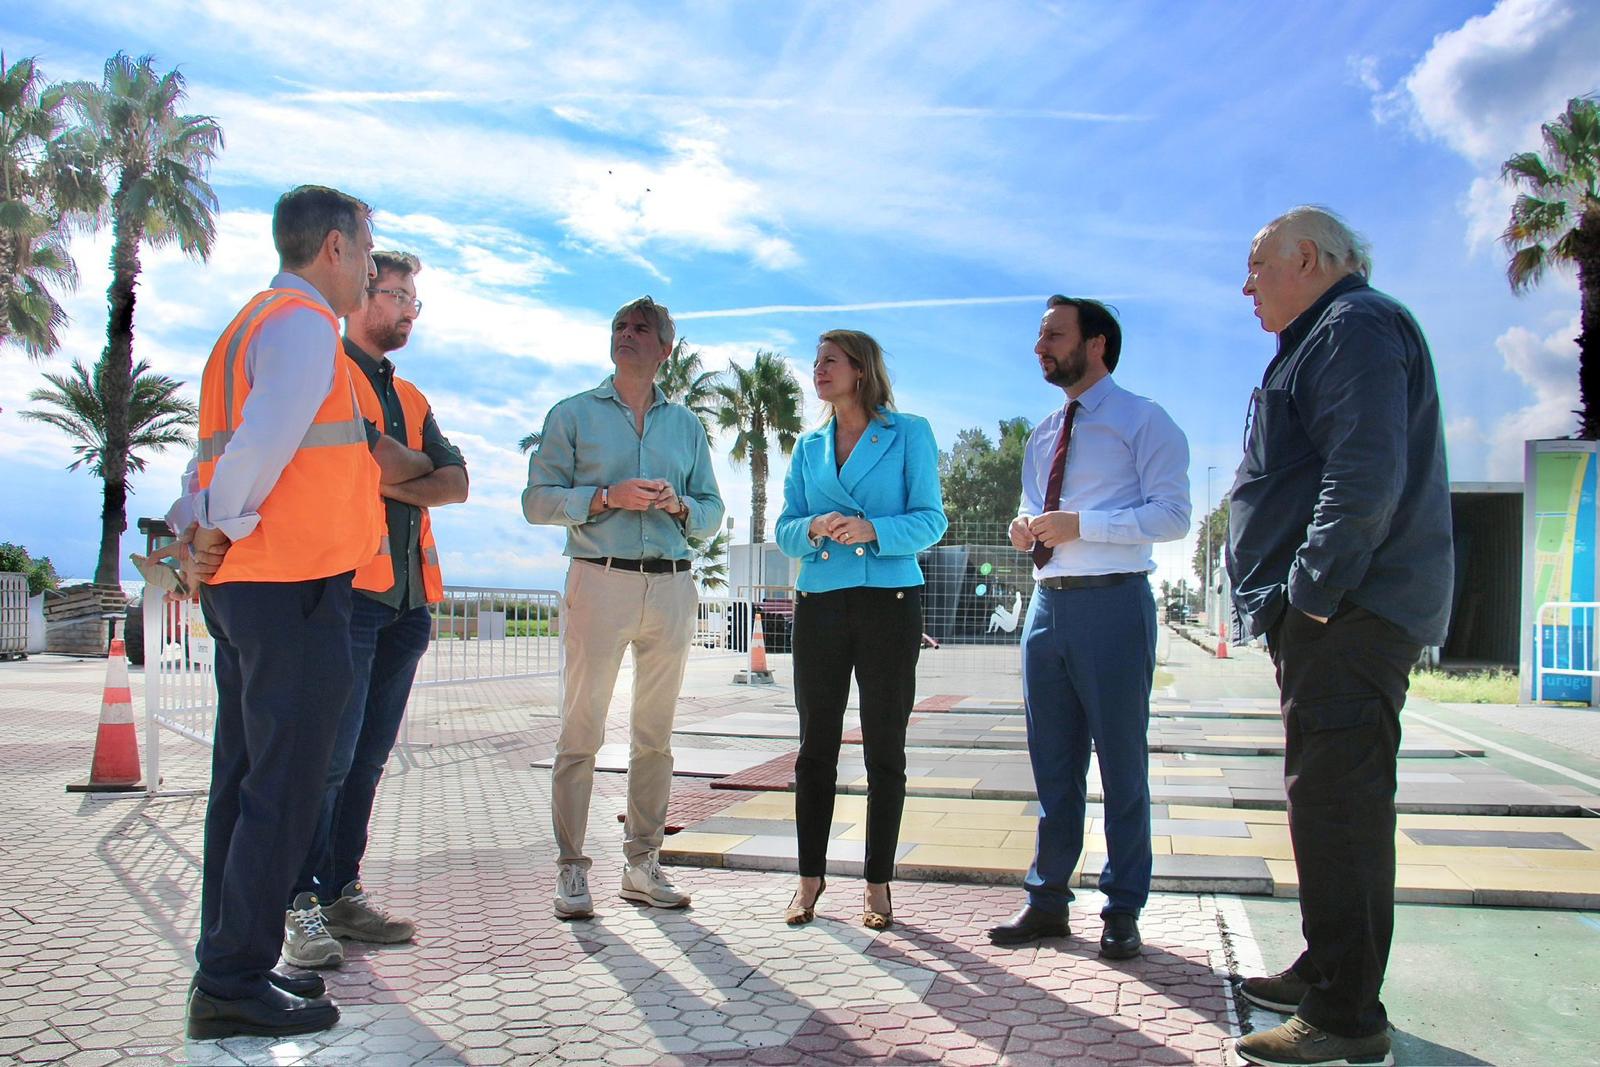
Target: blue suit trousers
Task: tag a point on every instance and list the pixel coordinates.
(1088, 661)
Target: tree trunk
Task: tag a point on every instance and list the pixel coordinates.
(758, 479)
(113, 512)
(1588, 261)
(116, 379)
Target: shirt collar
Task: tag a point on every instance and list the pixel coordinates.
(370, 364)
(1296, 331)
(1096, 394)
(288, 279)
(608, 389)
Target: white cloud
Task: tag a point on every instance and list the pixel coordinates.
(1485, 88)
(1548, 366)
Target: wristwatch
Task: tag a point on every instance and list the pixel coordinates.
(605, 498)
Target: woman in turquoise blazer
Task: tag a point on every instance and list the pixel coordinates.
(861, 499)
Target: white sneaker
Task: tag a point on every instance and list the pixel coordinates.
(647, 883)
(306, 941)
(572, 892)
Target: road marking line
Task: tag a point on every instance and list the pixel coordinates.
(1577, 776)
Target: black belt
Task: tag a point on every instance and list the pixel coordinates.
(1089, 581)
(647, 566)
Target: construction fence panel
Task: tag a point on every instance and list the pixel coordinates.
(13, 615)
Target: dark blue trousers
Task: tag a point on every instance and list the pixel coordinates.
(1088, 660)
(386, 644)
(283, 677)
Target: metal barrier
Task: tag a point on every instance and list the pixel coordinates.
(1574, 657)
(481, 633)
(180, 685)
(714, 625)
(13, 615)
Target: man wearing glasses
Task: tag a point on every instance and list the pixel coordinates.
(390, 625)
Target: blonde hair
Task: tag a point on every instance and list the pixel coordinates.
(866, 355)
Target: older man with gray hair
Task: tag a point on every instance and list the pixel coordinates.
(1341, 556)
(628, 473)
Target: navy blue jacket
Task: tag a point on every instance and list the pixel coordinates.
(1343, 492)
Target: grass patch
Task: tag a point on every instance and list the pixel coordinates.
(1476, 687)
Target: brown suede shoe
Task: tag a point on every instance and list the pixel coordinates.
(1299, 1044)
(1281, 992)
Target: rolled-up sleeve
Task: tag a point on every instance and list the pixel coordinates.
(550, 498)
(1354, 400)
(1161, 461)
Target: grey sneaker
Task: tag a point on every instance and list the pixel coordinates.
(1299, 1044)
(1280, 992)
(356, 917)
(306, 941)
(646, 883)
(572, 892)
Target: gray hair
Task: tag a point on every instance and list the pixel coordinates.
(655, 314)
(306, 214)
(1339, 247)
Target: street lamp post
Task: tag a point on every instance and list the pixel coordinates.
(1210, 618)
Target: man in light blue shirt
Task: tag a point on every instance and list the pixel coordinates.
(628, 473)
(1103, 479)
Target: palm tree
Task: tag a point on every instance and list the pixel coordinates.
(159, 160)
(756, 403)
(530, 441)
(47, 181)
(710, 567)
(684, 379)
(157, 418)
(1557, 223)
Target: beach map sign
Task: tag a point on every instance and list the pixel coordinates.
(1560, 566)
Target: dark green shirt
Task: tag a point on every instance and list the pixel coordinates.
(405, 520)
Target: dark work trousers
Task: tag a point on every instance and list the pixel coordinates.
(876, 634)
(1343, 684)
(1088, 660)
(386, 644)
(283, 676)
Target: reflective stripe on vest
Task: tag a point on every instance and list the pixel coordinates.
(321, 517)
(378, 576)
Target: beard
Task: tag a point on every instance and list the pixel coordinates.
(391, 339)
(1069, 371)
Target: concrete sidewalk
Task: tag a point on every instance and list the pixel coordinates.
(100, 900)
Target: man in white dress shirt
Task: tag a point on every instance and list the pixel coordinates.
(1103, 479)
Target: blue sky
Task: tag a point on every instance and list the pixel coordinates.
(922, 171)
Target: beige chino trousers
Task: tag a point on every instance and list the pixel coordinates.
(604, 612)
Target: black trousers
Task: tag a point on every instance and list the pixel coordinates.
(1343, 685)
(875, 634)
(283, 677)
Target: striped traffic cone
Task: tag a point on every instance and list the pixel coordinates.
(115, 768)
(757, 674)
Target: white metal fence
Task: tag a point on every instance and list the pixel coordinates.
(1564, 647)
(480, 634)
(13, 614)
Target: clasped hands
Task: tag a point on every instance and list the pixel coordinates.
(1050, 529)
(200, 553)
(846, 529)
(642, 494)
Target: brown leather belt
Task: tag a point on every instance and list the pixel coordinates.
(647, 566)
(1089, 581)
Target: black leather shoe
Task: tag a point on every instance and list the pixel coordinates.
(273, 1013)
(309, 986)
(1029, 924)
(1120, 939)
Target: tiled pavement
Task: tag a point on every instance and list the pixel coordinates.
(97, 920)
(99, 901)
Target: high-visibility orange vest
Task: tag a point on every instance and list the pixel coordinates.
(378, 575)
(323, 516)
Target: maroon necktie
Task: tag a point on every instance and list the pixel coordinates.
(1058, 473)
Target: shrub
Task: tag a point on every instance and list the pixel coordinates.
(41, 572)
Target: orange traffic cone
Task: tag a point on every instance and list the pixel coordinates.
(1222, 646)
(757, 673)
(115, 768)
